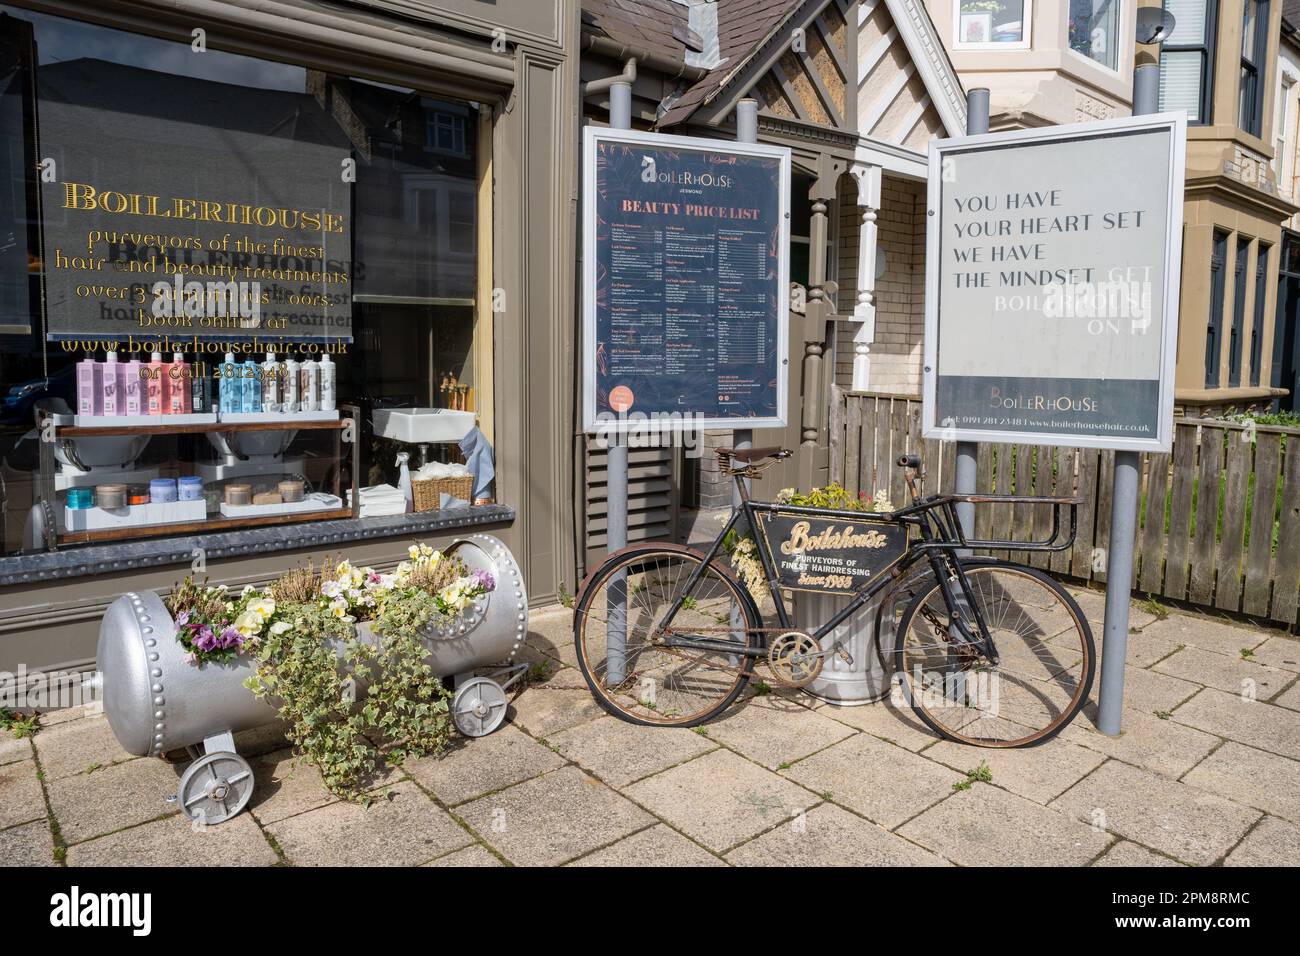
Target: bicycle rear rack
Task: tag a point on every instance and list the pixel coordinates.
(1050, 543)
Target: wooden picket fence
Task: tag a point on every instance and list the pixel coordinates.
(1236, 549)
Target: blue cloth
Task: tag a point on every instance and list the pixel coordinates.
(480, 461)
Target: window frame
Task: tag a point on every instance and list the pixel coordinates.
(1257, 65)
(1237, 332)
(1119, 38)
(1205, 104)
(1262, 251)
(1024, 43)
(1214, 327)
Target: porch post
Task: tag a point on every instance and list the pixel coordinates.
(821, 309)
(868, 179)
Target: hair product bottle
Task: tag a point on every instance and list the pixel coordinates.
(90, 384)
(309, 385)
(178, 386)
(109, 382)
(292, 370)
(328, 372)
(251, 392)
(228, 393)
(200, 388)
(157, 385)
(132, 387)
(270, 383)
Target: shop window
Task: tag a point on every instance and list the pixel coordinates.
(1236, 337)
(1214, 323)
(345, 210)
(1254, 49)
(991, 24)
(1094, 30)
(1257, 326)
(1187, 60)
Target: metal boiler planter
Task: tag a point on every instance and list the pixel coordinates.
(865, 676)
(156, 699)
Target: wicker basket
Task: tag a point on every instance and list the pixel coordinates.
(427, 493)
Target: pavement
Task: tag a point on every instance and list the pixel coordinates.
(1206, 772)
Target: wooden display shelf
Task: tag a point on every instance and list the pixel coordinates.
(200, 527)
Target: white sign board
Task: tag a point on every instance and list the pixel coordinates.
(1052, 272)
(686, 282)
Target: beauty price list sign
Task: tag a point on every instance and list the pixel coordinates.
(685, 282)
(1052, 271)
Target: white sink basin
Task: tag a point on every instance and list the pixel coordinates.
(418, 426)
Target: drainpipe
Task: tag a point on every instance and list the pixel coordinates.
(670, 67)
(606, 83)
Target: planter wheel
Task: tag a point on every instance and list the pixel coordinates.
(215, 787)
(479, 707)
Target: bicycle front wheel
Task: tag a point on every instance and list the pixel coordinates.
(645, 672)
(1045, 662)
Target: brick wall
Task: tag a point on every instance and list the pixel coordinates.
(900, 315)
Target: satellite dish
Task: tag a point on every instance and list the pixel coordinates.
(1154, 25)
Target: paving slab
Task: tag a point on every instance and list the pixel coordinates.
(471, 768)
(1253, 778)
(1208, 633)
(1151, 691)
(21, 799)
(285, 786)
(176, 841)
(1281, 652)
(404, 828)
(1187, 823)
(1289, 698)
(776, 731)
(29, 844)
(987, 826)
(658, 845)
(1273, 842)
(544, 711)
(1093, 604)
(50, 718)
(93, 804)
(553, 818)
(1124, 853)
(76, 746)
(620, 753)
(1165, 746)
(883, 719)
(1255, 723)
(14, 748)
(1039, 773)
(1231, 674)
(721, 798)
(829, 835)
(1144, 648)
(475, 855)
(880, 780)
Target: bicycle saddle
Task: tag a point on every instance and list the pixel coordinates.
(751, 455)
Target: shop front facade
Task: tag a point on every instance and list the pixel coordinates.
(383, 187)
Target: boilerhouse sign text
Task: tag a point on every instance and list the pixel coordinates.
(1052, 274)
(685, 281)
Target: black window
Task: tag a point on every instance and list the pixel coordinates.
(1214, 327)
(1187, 61)
(1254, 48)
(1257, 326)
(1238, 312)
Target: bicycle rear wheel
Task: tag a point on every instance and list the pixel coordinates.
(1045, 667)
(646, 682)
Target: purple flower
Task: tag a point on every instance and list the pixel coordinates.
(231, 638)
(204, 639)
(484, 579)
(183, 619)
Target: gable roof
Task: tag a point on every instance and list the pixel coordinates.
(638, 24)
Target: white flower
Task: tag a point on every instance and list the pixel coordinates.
(262, 607)
(279, 627)
(331, 589)
(413, 551)
(785, 494)
(248, 589)
(248, 624)
(880, 501)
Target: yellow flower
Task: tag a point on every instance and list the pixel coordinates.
(262, 607)
(248, 624)
(413, 551)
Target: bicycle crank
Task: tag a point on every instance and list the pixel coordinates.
(795, 658)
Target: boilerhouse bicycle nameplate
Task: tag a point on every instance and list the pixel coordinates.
(829, 555)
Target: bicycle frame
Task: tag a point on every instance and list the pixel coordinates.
(939, 538)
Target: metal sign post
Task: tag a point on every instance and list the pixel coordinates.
(1123, 511)
(746, 132)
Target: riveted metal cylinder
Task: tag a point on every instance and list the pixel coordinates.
(157, 699)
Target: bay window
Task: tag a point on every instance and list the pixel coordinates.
(1187, 60)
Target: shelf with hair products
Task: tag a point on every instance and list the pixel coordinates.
(163, 448)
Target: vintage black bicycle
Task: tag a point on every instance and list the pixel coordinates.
(986, 652)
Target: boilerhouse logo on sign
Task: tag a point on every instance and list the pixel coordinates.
(76, 909)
